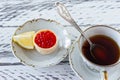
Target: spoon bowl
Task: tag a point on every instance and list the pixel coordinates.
(97, 51)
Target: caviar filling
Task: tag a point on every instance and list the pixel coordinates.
(45, 39)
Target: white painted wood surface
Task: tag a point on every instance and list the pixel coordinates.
(13, 13)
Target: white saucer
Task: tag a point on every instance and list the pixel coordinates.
(34, 58)
(84, 72)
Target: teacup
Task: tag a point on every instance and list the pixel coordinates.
(105, 31)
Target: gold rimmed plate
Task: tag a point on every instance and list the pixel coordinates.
(34, 58)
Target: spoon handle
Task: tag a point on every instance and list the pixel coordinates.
(63, 12)
(105, 75)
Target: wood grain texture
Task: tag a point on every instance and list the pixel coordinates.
(14, 13)
(20, 72)
(85, 12)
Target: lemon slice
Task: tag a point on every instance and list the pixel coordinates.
(25, 40)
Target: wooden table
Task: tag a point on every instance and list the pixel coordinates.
(14, 13)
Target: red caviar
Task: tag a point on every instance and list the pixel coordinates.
(45, 39)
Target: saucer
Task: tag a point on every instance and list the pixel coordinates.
(34, 58)
(86, 73)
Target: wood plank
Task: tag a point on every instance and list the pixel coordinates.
(20, 72)
(84, 12)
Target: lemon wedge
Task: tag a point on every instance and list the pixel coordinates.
(25, 40)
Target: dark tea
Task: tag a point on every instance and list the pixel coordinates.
(112, 50)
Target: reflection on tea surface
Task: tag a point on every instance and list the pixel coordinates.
(111, 55)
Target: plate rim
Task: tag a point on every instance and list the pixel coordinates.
(70, 60)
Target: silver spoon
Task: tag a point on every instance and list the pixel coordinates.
(94, 48)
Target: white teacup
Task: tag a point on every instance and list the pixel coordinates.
(100, 30)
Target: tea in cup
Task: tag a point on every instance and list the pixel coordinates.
(104, 36)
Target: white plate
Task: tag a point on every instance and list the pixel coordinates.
(86, 73)
(32, 57)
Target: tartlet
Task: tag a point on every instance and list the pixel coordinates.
(45, 41)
